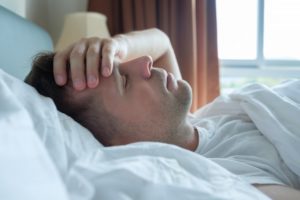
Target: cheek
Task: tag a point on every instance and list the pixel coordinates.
(140, 103)
(146, 98)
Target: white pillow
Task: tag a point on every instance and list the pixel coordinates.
(78, 138)
(48, 121)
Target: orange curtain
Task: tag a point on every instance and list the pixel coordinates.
(191, 26)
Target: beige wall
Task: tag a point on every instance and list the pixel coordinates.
(18, 6)
(49, 14)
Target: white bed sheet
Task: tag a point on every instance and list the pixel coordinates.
(275, 111)
(46, 155)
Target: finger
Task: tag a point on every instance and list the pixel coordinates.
(92, 62)
(60, 66)
(108, 53)
(77, 65)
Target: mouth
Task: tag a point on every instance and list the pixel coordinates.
(168, 79)
(171, 82)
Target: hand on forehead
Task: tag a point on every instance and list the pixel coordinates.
(87, 58)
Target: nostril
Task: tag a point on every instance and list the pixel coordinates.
(147, 66)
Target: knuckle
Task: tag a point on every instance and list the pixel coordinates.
(108, 49)
(83, 40)
(76, 53)
(109, 41)
(93, 51)
(93, 40)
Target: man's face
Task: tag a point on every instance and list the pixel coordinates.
(147, 102)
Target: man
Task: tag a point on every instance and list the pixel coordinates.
(141, 102)
(133, 101)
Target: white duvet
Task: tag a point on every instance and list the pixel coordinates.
(46, 155)
(275, 112)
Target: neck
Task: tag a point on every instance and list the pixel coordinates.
(187, 136)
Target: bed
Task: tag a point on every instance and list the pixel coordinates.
(45, 154)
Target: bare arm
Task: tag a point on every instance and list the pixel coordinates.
(155, 43)
(278, 192)
(88, 56)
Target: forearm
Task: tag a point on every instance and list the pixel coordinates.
(88, 56)
(151, 42)
(277, 192)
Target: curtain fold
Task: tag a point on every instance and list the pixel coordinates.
(191, 26)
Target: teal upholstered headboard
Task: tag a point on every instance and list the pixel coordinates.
(20, 40)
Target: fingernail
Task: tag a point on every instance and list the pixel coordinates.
(59, 79)
(79, 84)
(105, 71)
(92, 80)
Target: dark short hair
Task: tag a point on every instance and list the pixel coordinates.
(41, 77)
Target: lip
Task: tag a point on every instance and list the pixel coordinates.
(171, 82)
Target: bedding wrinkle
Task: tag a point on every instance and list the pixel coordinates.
(282, 127)
(264, 142)
(24, 157)
(64, 161)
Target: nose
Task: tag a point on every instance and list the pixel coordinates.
(140, 66)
